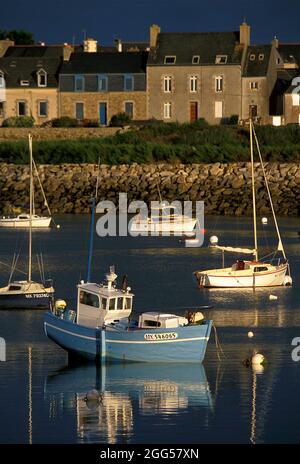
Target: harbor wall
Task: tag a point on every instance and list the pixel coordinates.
(224, 188)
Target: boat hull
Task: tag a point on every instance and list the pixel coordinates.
(24, 223)
(27, 301)
(272, 278)
(181, 344)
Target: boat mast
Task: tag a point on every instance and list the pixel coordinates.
(30, 209)
(280, 245)
(253, 193)
(92, 226)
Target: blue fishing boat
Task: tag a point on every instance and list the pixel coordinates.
(101, 329)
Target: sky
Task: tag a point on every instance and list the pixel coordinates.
(59, 21)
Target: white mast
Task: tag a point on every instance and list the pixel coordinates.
(30, 209)
(253, 193)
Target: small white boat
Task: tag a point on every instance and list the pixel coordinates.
(23, 221)
(252, 273)
(164, 219)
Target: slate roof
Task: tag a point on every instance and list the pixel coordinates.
(185, 45)
(254, 66)
(23, 62)
(106, 63)
(290, 53)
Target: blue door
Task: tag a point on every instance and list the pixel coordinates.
(103, 113)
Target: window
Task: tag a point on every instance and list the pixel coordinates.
(43, 108)
(21, 108)
(221, 59)
(254, 85)
(260, 268)
(2, 80)
(278, 61)
(261, 57)
(42, 78)
(79, 83)
(1, 109)
(295, 99)
(79, 111)
(120, 302)
(89, 299)
(219, 84)
(170, 59)
(196, 59)
(102, 83)
(252, 57)
(218, 109)
(103, 303)
(128, 302)
(167, 110)
(112, 303)
(167, 84)
(193, 84)
(129, 109)
(128, 83)
(14, 288)
(24, 83)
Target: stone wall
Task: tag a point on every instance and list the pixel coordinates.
(55, 133)
(225, 188)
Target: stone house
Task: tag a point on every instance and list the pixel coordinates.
(95, 85)
(29, 81)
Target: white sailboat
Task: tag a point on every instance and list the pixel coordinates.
(254, 272)
(23, 220)
(27, 294)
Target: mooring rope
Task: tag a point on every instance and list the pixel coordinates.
(219, 348)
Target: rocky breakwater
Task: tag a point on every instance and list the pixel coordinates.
(225, 188)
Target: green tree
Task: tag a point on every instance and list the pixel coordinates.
(19, 36)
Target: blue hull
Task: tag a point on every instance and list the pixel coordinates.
(181, 344)
(30, 301)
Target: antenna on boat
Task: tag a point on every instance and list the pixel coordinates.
(94, 199)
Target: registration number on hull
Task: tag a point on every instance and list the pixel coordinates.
(161, 336)
(37, 295)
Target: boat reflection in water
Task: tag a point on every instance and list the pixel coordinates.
(108, 400)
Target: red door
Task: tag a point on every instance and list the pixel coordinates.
(193, 111)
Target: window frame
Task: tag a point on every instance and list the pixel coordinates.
(103, 77)
(78, 78)
(193, 84)
(131, 103)
(219, 84)
(168, 57)
(18, 107)
(167, 110)
(42, 73)
(126, 77)
(252, 86)
(2, 80)
(80, 103)
(167, 83)
(197, 61)
(220, 58)
(39, 108)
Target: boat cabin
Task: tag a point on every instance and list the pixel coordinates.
(101, 304)
(154, 320)
(253, 265)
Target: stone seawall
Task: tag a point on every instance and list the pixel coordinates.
(225, 188)
(56, 133)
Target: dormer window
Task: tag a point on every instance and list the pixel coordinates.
(221, 59)
(252, 57)
(24, 83)
(261, 57)
(42, 78)
(170, 59)
(2, 80)
(196, 59)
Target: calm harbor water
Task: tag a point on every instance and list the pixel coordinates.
(43, 399)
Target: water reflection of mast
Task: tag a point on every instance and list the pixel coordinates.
(30, 395)
(253, 414)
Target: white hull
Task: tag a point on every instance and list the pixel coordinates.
(176, 227)
(37, 223)
(271, 278)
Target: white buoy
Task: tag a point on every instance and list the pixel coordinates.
(250, 334)
(287, 281)
(258, 359)
(258, 368)
(58, 226)
(214, 240)
(273, 297)
(264, 220)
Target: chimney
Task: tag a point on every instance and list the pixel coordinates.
(67, 51)
(275, 42)
(245, 34)
(154, 31)
(119, 46)
(90, 45)
(4, 45)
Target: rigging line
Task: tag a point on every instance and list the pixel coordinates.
(41, 187)
(269, 195)
(16, 269)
